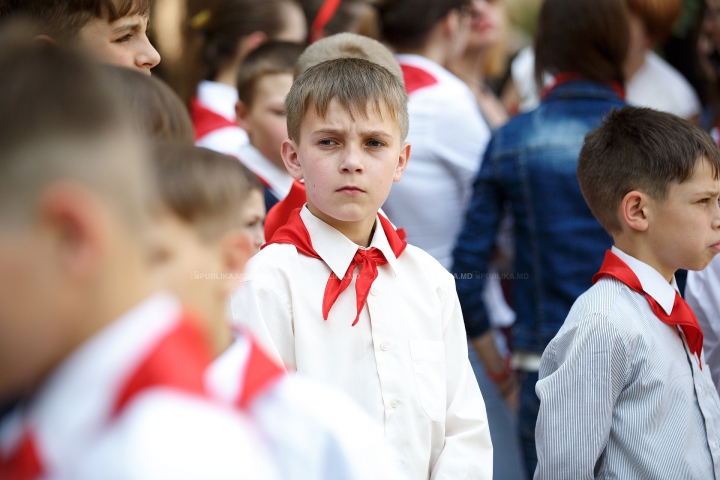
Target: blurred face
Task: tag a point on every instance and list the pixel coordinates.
(252, 218)
(123, 43)
(711, 23)
(196, 270)
(485, 24)
(294, 28)
(684, 230)
(265, 121)
(31, 329)
(348, 164)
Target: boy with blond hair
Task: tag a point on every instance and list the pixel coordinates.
(314, 432)
(624, 388)
(391, 334)
(112, 31)
(108, 373)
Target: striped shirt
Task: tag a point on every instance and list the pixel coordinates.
(620, 394)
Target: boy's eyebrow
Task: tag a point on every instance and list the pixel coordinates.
(126, 28)
(708, 193)
(369, 133)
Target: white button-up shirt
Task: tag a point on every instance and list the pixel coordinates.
(448, 138)
(621, 396)
(279, 181)
(162, 433)
(221, 99)
(405, 361)
(315, 431)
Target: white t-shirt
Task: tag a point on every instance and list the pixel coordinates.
(660, 86)
(221, 100)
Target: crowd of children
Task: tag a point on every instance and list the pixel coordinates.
(286, 265)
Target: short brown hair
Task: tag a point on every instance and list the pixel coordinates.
(658, 16)
(268, 59)
(203, 188)
(355, 83)
(60, 118)
(156, 111)
(348, 45)
(406, 24)
(639, 149)
(586, 37)
(63, 19)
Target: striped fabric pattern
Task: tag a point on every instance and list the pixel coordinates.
(621, 396)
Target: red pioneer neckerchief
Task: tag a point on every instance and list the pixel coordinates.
(325, 14)
(24, 462)
(295, 233)
(563, 78)
(260, 373)
(205, 120)
(681, 316)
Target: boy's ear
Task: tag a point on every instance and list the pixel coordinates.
(634, 210)
(74, 218)
(403, 160)
(241, 111)
(451, 23)
(250, 43)
(289, 152)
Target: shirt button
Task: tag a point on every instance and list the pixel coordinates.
(714, 445)
(394, 403)
(383, 347)
(373, 292)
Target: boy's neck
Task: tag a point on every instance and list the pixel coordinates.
(359, 232)
(640, 252)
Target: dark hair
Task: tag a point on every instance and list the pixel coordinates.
(204, 188)
(214, 29)
(351, 16)
(63, 19)
(155, 110)
(61, 118)
(586, 37)
(406, 24)
(658, 17)
(268, 59)
(639, 149)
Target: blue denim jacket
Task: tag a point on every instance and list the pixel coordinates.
(530, 164)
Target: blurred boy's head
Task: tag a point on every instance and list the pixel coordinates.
(206, 245)
(113, 31)
(651, 179)
(348, 45)
(347, 124)
(264, 80)
(74, 194)
(155, 110)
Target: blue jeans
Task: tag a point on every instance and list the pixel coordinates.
(527, 418)
(507, 460)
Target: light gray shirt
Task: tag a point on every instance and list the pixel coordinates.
(620, 394)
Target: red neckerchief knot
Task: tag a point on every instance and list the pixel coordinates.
(682, 315)
(24, 462)
(295, 233)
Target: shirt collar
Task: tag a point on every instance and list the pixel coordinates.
(280, 181)
(652, 282)
(78, 397)
(219, 98)
(336, 250)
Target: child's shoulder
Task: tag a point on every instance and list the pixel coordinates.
(425, 267)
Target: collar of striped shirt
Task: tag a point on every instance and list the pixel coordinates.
(651, 280)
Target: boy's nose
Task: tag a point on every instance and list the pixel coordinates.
(352, 159)
(148, 57)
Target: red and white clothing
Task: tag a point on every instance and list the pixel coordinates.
(448, 138)
(213, 115)
(315, 432)
(278, 181)
(405, 361)
(130, 404)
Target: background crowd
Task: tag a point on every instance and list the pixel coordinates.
(499, 105)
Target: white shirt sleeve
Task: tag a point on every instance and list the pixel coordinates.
(702, 293)
(250, 305)
(468, 451)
